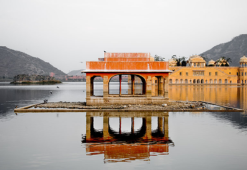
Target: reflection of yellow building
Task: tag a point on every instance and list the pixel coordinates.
(197, 73)
(118, 146)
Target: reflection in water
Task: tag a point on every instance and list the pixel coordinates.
(235, 96)
(120, 146)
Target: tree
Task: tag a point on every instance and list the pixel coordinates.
(223, 61)
(158, 58)
(181, 61)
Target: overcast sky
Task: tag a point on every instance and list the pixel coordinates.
(68, 32)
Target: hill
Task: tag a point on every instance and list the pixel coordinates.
(234, 49)
(76, 73)
(16, 62)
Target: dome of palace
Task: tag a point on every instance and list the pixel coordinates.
(172, 62)
(211, 62)
(196, 58)
(243, 59)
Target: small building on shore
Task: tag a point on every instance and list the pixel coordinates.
(196, 72)
(147, 79)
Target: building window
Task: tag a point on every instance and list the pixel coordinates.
(187, 73)
(180, 73)
(229, 72)
(237, 73)
(198, 73)
(209, 73)
(242, 73)
(216, 73)
(245, 73)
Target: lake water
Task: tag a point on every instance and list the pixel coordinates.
(185, 141)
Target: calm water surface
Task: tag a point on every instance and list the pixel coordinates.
(180, 140)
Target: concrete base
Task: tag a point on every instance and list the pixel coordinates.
(96, 101)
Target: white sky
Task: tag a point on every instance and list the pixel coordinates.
(67, 32)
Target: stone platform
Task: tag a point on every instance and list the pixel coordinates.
(96, 101)
(168, 106)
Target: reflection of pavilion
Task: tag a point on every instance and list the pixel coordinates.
(126, 146)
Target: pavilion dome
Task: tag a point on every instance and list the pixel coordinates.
(196, 59)
(172, 62)
(243, 59)
(211, 62)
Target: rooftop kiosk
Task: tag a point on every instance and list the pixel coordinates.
(153, 77)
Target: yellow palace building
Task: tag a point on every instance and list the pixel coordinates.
(196, 72)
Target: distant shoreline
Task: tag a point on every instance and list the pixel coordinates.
(37, 82)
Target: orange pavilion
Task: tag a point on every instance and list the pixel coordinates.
(147, 79)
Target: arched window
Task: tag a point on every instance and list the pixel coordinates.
(220, 81)
(202, 81)
(226, 81)
(170, 81)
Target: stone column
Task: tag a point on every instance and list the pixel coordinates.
(149, 87)
(120, 125)
(106, 127)
(89, 87)
(166, 88)
(148, 127)
(161, 124)
(132, 125)
(88, 127)
(120, 85)
(161, 86)
(166, 130)
(105, 86)
(133, 84)
(129, 84)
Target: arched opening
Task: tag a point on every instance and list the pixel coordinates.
(170, 81)
(245, 81)
(226, 81)
(242, 81)
(177, 81)
(190, 81)
(186, 81)
(202, 81)
(211, 81)
(181, 81)
(194, 81)
(215, 81)
(230, 82)
(97, 86)
(126, 84)
(220, 81)
(114, 85)
(206, 81)
(198, 81)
